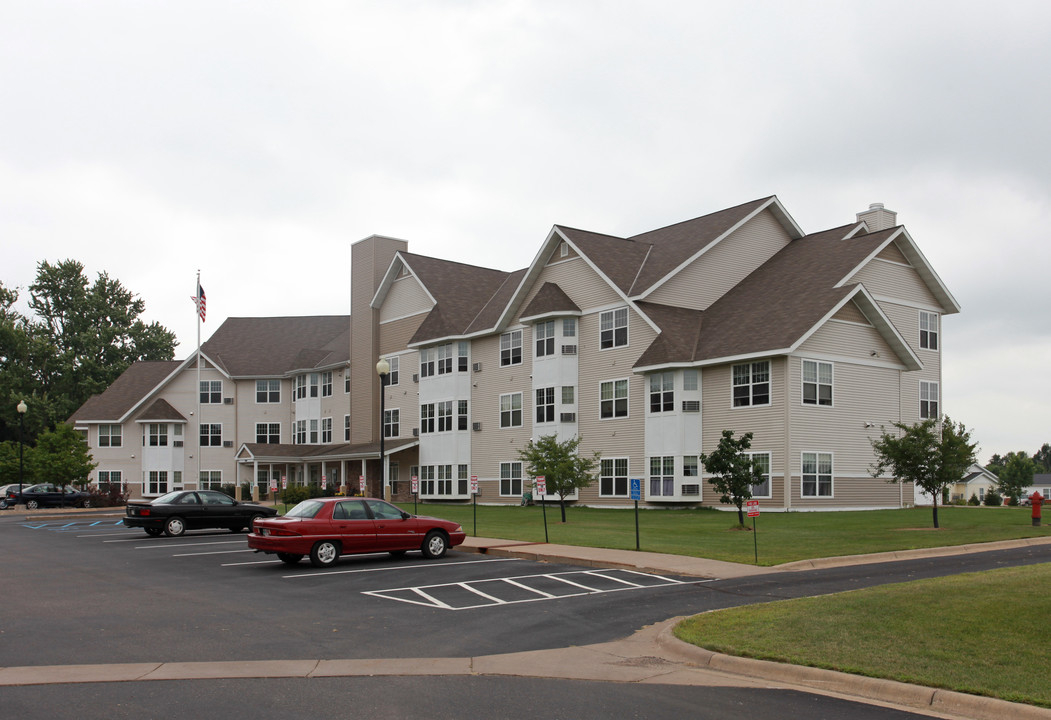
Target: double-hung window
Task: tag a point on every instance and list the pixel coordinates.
(391, 423)
(662, 476)
(817, 474)
(613, 477)
(545, 405)
(392, 376)
(662, 392)
(613, 328)
(511, 348)
(211, 435)
(267, 391)
(928, 330)
(427, 362)
(314, 381)
(268, 433)
(211, 392)
(326, 384)
(545, 338)
(426, 418)
(462, 355)
(461, 415)
(326, 430)
(751, 384)
(817, 383)
(445, 416)
(445, 359)
(762, 462)
(110, 436)
(510, 478)
(158, 434)
(511, 410)
(613, 399)
(301, 387)
(928, 400)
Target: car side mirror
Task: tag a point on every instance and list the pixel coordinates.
(405, 515)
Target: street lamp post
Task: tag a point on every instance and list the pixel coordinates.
(21, 407)
(383, 370)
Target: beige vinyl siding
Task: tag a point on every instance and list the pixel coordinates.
(849, 340)
(849, 491)
(722, 267)
(907, 320)
(249, 412)
(893, 253)
(576, 278)
(885, 279)
(405, 396)
(851, 313)
(405, 297)
(492, 444)
(765, 422)
(395, 335)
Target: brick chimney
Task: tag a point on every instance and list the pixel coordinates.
(878, 218)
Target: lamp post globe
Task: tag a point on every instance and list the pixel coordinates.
(383, 370)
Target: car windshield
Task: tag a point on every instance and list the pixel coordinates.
(167, 499)
(307, 508)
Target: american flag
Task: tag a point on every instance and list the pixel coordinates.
(200, 301)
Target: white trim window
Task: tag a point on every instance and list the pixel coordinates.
(427, 418)
(816, 475)
(158, 434)
(613, 329)
(108, 478)
(510, 479)
(751, 384)
(545, 405)
(928, 330)
(315, 381)
(313, 432)
(110, 436)
(544, 335)
(613, 477)
(267, 391)
(817, 383)
(346, 428)
(393, 375)
(511, 348)
(569, 327)
(763, 489)
(463, 356)
(426, 477)
(613, 399)
(301, 432)
(445, 416)
(662, 392)
(326, 384)
(326, 430)
(427, 362)
(662, 476)
(210, 480)
(301, 387)
(462, 414)
(157, 482)
(268, 433)
(445, 359)
(511, 410)
(928, 400)
(211, 392)
(392, 423)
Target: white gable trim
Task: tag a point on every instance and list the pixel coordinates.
(393, 271)
(188, 362)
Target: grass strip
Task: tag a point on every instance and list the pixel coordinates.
(982, 633)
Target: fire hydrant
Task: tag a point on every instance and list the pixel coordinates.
(1036, 500)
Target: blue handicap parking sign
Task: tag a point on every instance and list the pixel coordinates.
(636, 488)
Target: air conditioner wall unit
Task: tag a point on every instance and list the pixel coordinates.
(228, 401)
(476, 426)
(477, 367)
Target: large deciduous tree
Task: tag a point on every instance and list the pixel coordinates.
(733, 471)
(61, 457)
(79, 337)
(563, 468)
(932, 461)
(1016, 475)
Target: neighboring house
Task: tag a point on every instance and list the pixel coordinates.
(647, 347)
(1041, 484)
(977, 481)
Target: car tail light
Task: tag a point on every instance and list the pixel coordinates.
(145, 512)
(277, 532)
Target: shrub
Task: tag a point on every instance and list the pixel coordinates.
(993, 499)
(974, 500)
(113, 497)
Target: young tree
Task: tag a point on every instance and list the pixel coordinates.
(1016, 475)
(733, 472)
(61, 457)
(1042, 458)
(563, 468)
(922, 456)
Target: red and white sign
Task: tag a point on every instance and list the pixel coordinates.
(273, 485)
(753, 508)
(541, 485)
(324, 483)
(415, 484)
(284, 482)
(474, 484)
(361, 483)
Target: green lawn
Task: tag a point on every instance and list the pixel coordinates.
(982, 633)
(781, 537)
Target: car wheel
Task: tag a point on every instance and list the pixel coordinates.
(32, 505)
(3, 504)
(174, 527)
(86, 503)
(289, 558)
(324, 553)
(435, 544)
(251, 521)
(153, 532)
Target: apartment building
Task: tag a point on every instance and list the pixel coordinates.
(647, 347)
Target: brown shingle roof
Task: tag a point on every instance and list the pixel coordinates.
(273, 346)
(161, 409)
(550, 299)
(127, 390)
(460, 292)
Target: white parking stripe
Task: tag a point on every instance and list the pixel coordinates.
(216, 552)
(421, 566)
(169, 545)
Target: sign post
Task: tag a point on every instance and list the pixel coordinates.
(474, 501)
(541, 490)
(636, 495)
(361, 485)
(415, 494)
(753, 512)
(284, 486)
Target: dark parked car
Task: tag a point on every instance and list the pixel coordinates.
(182, 510)
(325, 528)
(47, 495)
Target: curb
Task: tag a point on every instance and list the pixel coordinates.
(892, 692)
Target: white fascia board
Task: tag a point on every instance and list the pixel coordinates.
(919, 262)
(861, 227)
(773, 204)
(554, 314)
(554, 237)
(388, 280)
(871, 309)
(188, 362)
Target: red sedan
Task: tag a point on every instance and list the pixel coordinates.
(325, 528)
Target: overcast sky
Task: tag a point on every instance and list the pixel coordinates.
(255, 141)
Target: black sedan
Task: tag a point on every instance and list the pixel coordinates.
(47, 495)
(182, 510)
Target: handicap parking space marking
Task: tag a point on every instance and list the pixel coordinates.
(382, 568)
(493, 592)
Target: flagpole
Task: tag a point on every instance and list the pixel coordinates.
(197, 481)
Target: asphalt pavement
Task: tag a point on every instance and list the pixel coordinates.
(652, 655)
